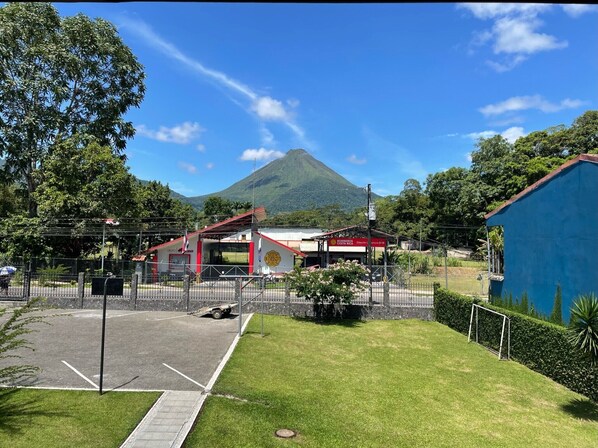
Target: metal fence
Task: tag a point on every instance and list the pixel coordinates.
(220, 289)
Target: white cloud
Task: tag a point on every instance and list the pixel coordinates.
(512, 134)
(491, 10)
(482, 134)
(209, 165)
(578, 10)
(355, 160)
(181, 134)
(201, 148)
(293, 102)
(191, 169)
(518, 35)
(468, 157)
(518, 103)
(514, 32)
(265, 107)
(269, 109)
(261, 154)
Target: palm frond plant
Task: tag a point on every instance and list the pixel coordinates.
(583, 329)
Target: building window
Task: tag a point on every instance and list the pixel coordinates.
(496, 254)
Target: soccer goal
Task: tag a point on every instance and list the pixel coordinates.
(490, 325)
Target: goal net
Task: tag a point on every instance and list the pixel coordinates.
(490, 329)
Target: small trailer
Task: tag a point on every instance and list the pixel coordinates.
(217, 312)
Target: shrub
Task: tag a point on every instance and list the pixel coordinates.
(539, 345)
(340, 283)
(50, 274)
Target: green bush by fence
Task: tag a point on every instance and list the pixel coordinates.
(539, 345)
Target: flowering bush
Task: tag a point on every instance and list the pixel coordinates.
(339, 283)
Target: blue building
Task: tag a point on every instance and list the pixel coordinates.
(550, 238)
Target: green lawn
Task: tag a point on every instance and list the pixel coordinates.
(31, 418)
(384, 384)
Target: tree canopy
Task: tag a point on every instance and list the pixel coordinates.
(60, 77)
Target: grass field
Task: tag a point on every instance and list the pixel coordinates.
(31, 418)
(384, 384)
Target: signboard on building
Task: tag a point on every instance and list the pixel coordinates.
(356, 242)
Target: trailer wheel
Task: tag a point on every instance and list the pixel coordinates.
(217, 314)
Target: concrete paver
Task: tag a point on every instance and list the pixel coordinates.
(168, 421)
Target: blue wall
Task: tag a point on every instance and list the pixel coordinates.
(551, 237)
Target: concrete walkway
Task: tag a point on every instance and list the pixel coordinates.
(168, 422)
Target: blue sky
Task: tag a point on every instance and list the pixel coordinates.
(378, 92)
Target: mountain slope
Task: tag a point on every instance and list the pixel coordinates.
(296, 181)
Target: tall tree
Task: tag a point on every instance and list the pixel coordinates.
(83, 181)
(60, 77)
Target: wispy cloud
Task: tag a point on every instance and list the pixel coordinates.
(191, 169)
(181, 134)
(261, 154)
(201, 148)
(519, 103)
(355, 160)
(579, 10)
(263, 107)
(482, 134)
(511, 135)
(514, 34)
(209, 165)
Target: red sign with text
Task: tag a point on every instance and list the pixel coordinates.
(356, 242)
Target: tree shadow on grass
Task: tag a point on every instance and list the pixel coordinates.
(331, 320)
(17, 413)
(582, 409)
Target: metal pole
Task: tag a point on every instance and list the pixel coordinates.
(369, 252)
(103, 243)
(263, 291)
(240, 293)
(103, 336)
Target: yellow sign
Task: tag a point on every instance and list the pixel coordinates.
(272, 258)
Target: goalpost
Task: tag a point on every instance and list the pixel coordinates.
(506, 326)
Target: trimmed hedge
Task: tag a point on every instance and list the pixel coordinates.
(539, 345)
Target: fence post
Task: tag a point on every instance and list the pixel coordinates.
(27, 285)
(186, 287)
(386, 296)
(133, 296)
(287, 297)
(239, 300)
(81, 288)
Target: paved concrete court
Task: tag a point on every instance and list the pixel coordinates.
(144, 350)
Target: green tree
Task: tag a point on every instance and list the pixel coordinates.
(557, 310)
(60, 77)
(156, 205)
(83, 181)
(217, 209)
(583, 330)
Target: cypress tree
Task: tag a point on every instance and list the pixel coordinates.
(524, 303)
(557, 309)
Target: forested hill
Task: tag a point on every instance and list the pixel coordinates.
(296, 181)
